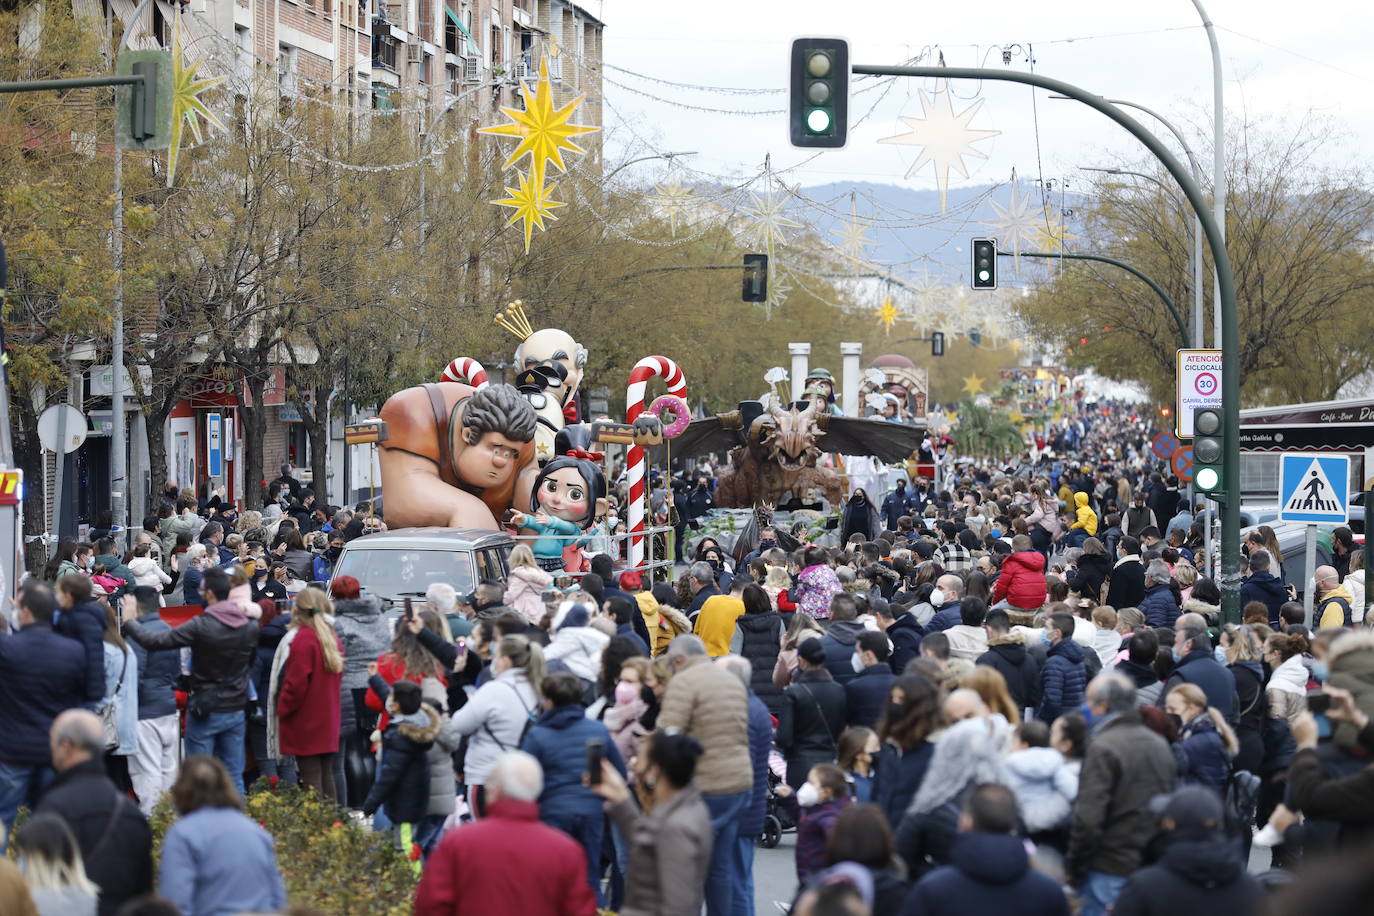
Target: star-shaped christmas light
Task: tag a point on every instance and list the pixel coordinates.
(973, 385)
(187, 106)
(544, 131)
(1017, 223)
(887, 315)
(769, 216)
(532, 202)
(672, 200)
(853, 233)
(944, 137)
(1050, 234)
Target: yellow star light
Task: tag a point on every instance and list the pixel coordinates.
(1050, 234)
(532, 202)
(973, 385)
(887, 315)
(543, 130)
(187, 106)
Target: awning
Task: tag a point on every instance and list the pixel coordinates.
(458, 23)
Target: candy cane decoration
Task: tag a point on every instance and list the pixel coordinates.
(647, 368)
(466, 370)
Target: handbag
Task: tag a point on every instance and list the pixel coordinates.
(109, 713)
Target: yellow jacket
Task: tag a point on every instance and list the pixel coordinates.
(716, 623)
(1087, 518)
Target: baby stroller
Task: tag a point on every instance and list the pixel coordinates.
(776, 820)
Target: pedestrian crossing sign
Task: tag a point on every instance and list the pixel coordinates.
(1314, 489)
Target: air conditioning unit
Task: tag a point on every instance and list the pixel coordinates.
(414, 53)
(524, 71)
(472, 71)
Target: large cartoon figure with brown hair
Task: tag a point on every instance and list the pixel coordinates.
(456, 457)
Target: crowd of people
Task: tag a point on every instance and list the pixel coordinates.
(1012, 694)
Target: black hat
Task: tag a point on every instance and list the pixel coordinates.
(1190, 806)
(812, 650)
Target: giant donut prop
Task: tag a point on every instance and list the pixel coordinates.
(647, 368)
(677, 407)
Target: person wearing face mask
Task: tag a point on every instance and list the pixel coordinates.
(948, 605)
(1195, 663)
(813, 714)
(895, 505)
(1206, 744)
(860, 516)
(866, 695)
(1063, 676)
(669, 834)
(814, 807)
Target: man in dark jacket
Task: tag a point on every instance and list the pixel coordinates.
(113, 835)
(1009, 657)
(83, 620)
(812, 716)
(1201, 870)
(867, 694)
(1197, 665)
(839, 639)
(904, 632)
(701, 582)
(1127, 765)
(897, 504)
(1139, 516)
(989, 872)
(41, 674)
(153, 767)
(1158, 604)
(222, 642)
(1063, 678)
(760, 743)
(950, 613)
(1263, 586)
(1126, 585)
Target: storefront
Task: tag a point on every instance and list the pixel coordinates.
(205, 437)
(1331, 427)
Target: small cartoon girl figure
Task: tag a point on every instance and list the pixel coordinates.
(563, 504)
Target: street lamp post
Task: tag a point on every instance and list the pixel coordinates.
(1218, 161)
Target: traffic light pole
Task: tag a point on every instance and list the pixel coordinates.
(1158, 290)
(1229, 495)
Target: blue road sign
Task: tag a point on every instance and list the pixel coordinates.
(214, 445)
(1314, 489)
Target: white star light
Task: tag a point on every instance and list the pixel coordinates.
(853, 233)
(770, 220)
(1017, 223)
(671, 201)
(944, 137)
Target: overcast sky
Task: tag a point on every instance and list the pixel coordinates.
(1280, 60)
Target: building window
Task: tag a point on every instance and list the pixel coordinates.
(426, 61)
(384, 49)
(286, 69)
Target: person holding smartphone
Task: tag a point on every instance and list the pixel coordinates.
(569, 746)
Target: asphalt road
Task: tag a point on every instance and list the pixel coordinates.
(775, 875)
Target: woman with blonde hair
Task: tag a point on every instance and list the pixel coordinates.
(51, 863)
(526, 583)
(1206, 744)
(498, 715)
(989, 684)
(307, 676)
(801, 628)
(776, 584)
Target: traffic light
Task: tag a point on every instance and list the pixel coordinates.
(937, 344)
(1209, 443)
(975, 337)
(755, 278)
(144, 118)
(818, 113)
(984, 272)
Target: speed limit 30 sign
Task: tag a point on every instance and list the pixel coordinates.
(1199, 385)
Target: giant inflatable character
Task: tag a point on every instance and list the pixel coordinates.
(561, 362)
(456, 457)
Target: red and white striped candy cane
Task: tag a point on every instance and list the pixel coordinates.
(647, 368)
(466, 370)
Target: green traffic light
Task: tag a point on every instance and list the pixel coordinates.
(818, 121)
(1207, 479)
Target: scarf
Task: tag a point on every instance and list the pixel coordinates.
(274, 684)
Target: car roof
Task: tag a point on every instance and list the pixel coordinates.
(435, 537)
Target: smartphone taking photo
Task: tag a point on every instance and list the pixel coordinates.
(594, 753)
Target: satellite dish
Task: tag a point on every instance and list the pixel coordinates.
(62, 428)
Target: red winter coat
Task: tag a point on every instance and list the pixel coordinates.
(308, 699)
(508, 862)
(1022, 581)
(392, 670)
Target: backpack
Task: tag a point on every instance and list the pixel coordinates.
(530, 719)
(1345, 606)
